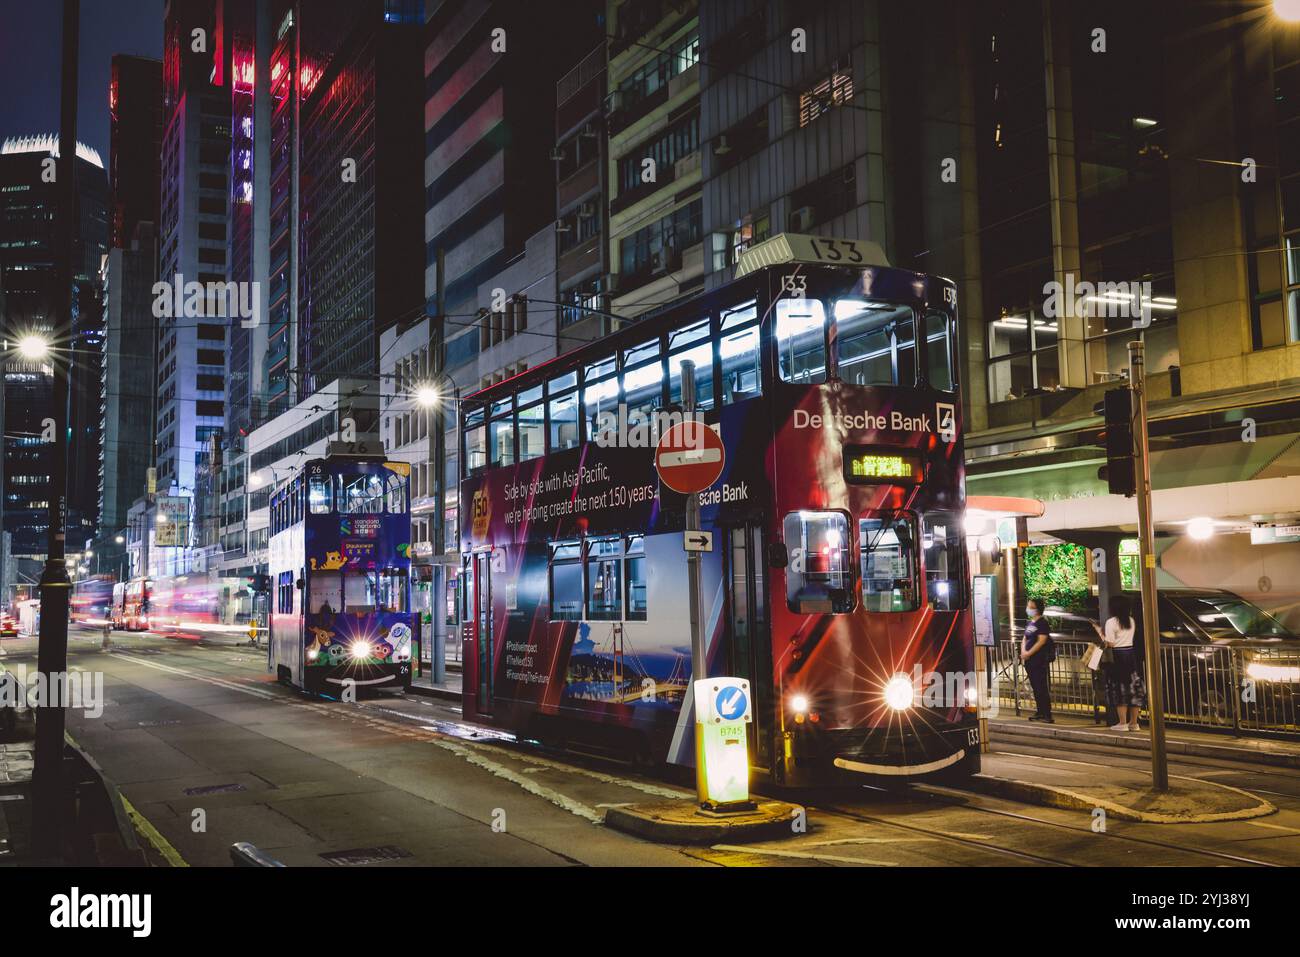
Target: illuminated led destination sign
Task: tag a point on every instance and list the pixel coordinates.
(869, 466)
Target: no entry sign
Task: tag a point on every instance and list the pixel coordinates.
(689, 457)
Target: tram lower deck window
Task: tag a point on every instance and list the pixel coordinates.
(566, 581)
(945, 561)
(819, 576)
(888, 549)
(604, 585)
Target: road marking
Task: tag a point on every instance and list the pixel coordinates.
(160, 843)
(1275, 827)
(801, 855)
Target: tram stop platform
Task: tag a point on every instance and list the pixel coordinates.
(685, 822)
(1121, 792)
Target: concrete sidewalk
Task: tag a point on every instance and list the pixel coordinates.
(1274, 752)
(449, 689)
(1123, 793)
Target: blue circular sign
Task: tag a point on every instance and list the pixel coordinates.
(730, 704)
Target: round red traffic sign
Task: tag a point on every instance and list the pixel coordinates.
(689, 457)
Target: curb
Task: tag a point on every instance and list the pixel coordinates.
(680, 822)
(1139, 742)
(440, 693)
(1046, 795)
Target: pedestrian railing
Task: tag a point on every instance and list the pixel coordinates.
(1251, 687)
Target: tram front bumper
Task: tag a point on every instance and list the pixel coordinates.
(818, 757)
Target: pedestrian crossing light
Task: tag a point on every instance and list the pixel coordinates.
(1117, 439)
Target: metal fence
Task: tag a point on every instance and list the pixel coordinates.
(1248, 687)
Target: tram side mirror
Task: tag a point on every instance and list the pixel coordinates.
(777, 555)
(300, 584)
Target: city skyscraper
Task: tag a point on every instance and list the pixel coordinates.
(29, 211)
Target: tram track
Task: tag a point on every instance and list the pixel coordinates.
(1005, 813)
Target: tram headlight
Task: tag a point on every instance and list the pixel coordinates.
(799, 704)
(360, 650)
(899, 692)
(313, 654)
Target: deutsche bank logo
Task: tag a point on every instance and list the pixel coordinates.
(945, 418)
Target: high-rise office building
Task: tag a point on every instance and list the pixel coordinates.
(32, 292)
(193, 238)
(135, 113)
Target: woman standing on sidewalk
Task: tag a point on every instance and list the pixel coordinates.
(1124, 688)
(1036, 654)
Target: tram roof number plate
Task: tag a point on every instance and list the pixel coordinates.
(359, 856)
(690, 457)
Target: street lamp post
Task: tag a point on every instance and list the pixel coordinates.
(48, 802)
(431, 397)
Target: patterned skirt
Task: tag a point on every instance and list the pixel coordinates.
(1124, 684)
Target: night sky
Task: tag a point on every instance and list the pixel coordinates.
(29, 61)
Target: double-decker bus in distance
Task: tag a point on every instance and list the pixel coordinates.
(118, 605)
(836, 584)
(136, 606)
(339, 566)
(91, 601)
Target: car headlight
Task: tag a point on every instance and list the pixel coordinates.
(899, 692)
(360, 650)
(1282, 674)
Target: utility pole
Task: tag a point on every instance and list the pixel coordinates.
(438, 433)
(48, 802)
(1147, 568)
(699, 667)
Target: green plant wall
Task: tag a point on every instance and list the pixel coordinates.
(1057, 574)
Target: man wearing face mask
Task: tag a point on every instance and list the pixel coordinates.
(1036, 652)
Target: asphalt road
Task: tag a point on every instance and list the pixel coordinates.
(211, 751)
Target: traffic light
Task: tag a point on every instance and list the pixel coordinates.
(1117, 439)
(258, 583)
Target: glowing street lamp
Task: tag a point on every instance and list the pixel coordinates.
(1288, 10)
(33, 347)
(427, 396)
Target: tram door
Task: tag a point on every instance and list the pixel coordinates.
(482, 584)
(751, 640)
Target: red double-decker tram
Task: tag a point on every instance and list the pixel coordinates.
(837, 581)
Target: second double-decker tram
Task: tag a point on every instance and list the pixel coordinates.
(837, 580)
(339, 569)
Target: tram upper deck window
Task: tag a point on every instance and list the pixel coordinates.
(868, 338)
(564, 422)
(501, 441)
(396, 494)
(819, 576)
(475, 442)
(599, 392)
(361, 494)
(693, 343)
(888, 549)
(643, 378)
(801, 340)
(566, 581)
(532, 431)
(320, 495)
(938, 350)
(738, 350)
(944, 557)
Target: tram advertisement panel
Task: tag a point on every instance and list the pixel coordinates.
(593, 489)
(840, 447)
